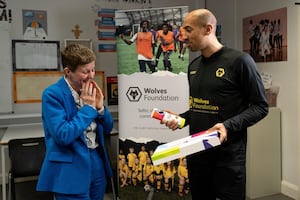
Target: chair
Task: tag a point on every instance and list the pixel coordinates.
(26, 157)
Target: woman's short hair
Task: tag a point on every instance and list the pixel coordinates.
(75, 55)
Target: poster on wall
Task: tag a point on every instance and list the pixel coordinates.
(106, 30)
(150, 75)
(112, 90)
(265, 36)
(35, 24)
(109, 47)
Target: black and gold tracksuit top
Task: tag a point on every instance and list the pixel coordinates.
(225, 88)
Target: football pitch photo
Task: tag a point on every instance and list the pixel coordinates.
(128, 64)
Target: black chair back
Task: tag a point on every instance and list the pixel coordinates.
(26, 156)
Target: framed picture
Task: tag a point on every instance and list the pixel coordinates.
(265, 36)
(112, 90)
(35, 55)
(84, 42)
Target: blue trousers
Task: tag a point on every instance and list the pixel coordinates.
(97, 185)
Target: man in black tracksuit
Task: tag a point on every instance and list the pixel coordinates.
(226, 95)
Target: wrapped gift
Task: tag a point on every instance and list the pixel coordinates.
(185, 146)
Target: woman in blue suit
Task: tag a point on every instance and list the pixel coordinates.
(76, 164)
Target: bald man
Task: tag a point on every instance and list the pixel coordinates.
(226, 95)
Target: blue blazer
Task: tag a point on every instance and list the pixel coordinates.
(67, 164)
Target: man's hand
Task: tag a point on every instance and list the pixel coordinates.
(221, 129)
(171, 124)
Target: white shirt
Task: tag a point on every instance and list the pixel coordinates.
(90, 132)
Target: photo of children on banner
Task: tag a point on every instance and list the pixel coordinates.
(161, 167)
(137, 172)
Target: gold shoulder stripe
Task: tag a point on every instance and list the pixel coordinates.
(192, 72)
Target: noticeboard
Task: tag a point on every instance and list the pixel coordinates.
(35, 55)
(29, 86)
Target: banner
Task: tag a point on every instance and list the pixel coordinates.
(150, 76)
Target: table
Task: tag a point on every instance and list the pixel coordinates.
(15, 132)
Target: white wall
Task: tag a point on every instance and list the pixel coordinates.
(225, 15)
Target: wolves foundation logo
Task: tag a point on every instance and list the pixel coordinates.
(134, 94)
